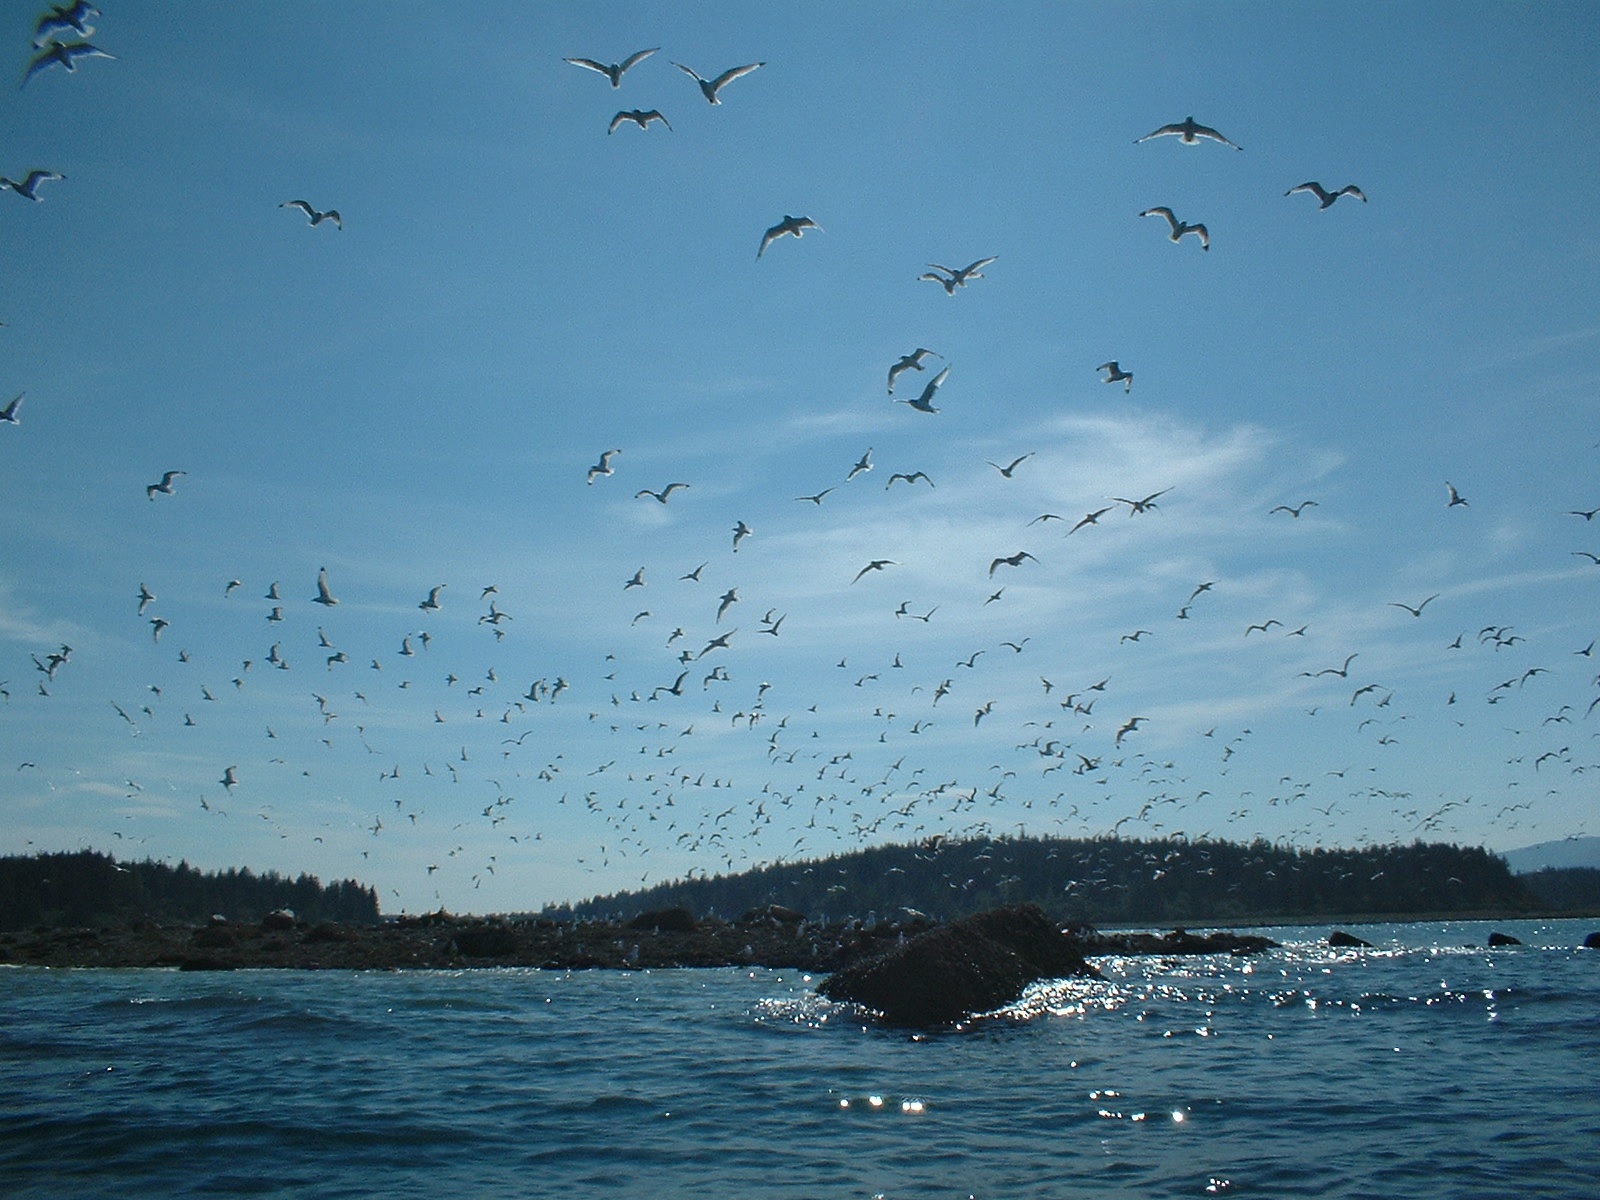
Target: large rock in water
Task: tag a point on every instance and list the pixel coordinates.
(1592, 942)
(1340, 939)
(969, 966)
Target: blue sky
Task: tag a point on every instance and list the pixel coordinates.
(415, 400)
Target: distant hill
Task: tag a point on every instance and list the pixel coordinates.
(86, 888)
(1569, 852)
(1103, 881)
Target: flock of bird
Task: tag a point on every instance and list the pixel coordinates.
(464, 744)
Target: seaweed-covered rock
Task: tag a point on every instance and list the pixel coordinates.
(1503, 939)
(969, 966)
(1342, 940)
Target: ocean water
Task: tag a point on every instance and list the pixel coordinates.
(1423, 1068)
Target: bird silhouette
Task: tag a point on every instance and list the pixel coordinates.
(8, 414)
(30, 183)
(1189, 133)
(1326, 197)
(640, 117)
(603, 467)
(1013, 560)
(65, 54)
(924, 402)
(661, 496)
(1015, 463)
(876, 564)
(614, 71)
(710, 87)
(165, 486)
(313, 215)
(908, 362)
(323, 597)
(1455, 496)
(1179, 228)
(1416, 611)
(62, 17)
(951, 278)
(1115, 374)
(795, 226)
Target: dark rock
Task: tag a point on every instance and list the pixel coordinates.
(1503, 939)
(327, 931)
(776, 913)
(667, 920)
(486, 941)
(969, 966)
(1592, 942)
(1340, 938)
(281, 920)
(212, 937)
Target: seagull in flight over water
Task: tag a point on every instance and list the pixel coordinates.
(1189, 133)
(710, 87)
(614, 71)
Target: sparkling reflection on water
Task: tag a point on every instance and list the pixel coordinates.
(1421, 1068)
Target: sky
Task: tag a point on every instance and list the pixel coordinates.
(415, 399)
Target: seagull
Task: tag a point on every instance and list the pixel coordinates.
(740, 532)
(640, 118)
(323, 597)
(1296, 510)
(1114, 372)
(793, 225)
(30, 183)
(145, 596)
(1455, 496)
(230, 778)
(1135, 507)
(312, 215)
(1417, 611)
(1179, 228)
(615, 71)
(1327, 197)
(710, 87)
(157, 624)
(876, 564)
(603, 467)
(729, 598)
(661, 496)
(924, 402)
(431, 604)
(63, 17)
(911, 478)
(957, 276)
(817, 499)
(66, 54)
(694, 575)
(8, 414)
(1089, 519)
(864, 463)
(636, 581)
(1128, 727)
(1015, 463)
(1014, 560)
(909, 362)
(1189, 133)
(164, 487)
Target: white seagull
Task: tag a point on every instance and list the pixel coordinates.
(710, 87)
(791, 225)
(1188, 133)
(312, 215)
(65, 54)
(1179, 228)
(30, 183)
(614, 71)
(165, 487)
(323, 597)
(1327, 197)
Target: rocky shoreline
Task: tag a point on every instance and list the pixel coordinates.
(770, 937)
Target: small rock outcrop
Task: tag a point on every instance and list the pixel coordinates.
(969, 966)
(279, 921)
(666, 920)
(1503, 939)
(1342, 940)
(1592, 942)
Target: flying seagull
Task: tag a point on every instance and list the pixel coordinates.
(165, 487)
(876, 564)
(924, 402)
(30, 183)
(864, 463)
(1115, 374)
(312, 215)
(8, 414)
(1296, 510)
(792, 225)
(431, 604)
(62, 17)
(603, 467)
(1015, 463)
(639, 117)
(908, 362)
(1455, 496)
(1179, 228)
(910, 478)
(956, 277)
(614, 71)
(1327, 197)
(1189, 133)
(66, 54)
(661, 496)
(1014, 560)
(710, 87)
(323, 597)
(1417, 611)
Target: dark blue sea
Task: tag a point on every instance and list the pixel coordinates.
(1428, 1067)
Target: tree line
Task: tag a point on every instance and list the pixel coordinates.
(87, 888)
(1105, 881)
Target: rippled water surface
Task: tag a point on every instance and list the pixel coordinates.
(1422, 1068)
